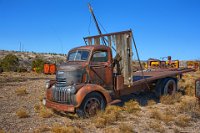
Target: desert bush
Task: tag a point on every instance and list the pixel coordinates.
(157, 126)
(125, 128)
(171, 99)
(21, 91)
(42, 129)
(151, 102)
(22, 113)
(109, 116)
(163, 116)
(111, 130)
(45, 113)
(37, 108)
(10, 63)
(57, 128)
(21, 69)
(132, 106)
(187, 83)
(2, 131)
(189, 105)
(38, 65)
(1, 69)
(183, 120)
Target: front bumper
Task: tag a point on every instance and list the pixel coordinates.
(59, 106)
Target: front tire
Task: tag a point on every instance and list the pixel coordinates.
(92, 103)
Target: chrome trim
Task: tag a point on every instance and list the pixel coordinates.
(61, 94)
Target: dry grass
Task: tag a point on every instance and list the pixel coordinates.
(2, 131)
(42, 129)
(151, 102)
(37, 108)
(125, 128)
(132, 106)
(22, 113)
(21, 91)
(45, 113)
(111, 130)
(171, 99)
(111, 115)
(57, 128)
(183, 120)
(41, 97)
(188, 104)
(157, 126)
(165, 116)
(187, 83)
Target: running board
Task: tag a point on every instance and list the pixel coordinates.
(114, 102)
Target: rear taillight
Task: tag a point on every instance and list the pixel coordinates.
(197, 88)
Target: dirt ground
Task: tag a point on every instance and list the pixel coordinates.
(21, 110)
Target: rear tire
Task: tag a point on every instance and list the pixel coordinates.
(92, 103)
(167, 86)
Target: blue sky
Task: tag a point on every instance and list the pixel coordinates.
(161, 27)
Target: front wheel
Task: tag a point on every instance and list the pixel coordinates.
(92, 103)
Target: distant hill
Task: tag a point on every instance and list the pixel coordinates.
(26, 58)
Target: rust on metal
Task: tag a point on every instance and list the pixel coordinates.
(60, 107)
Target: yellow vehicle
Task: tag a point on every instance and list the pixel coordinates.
(193, 64)
(173, 64)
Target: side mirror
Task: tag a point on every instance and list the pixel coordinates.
(197, 88)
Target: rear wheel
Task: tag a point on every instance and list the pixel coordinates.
(167, 86)
(170, 87)
(92, 103)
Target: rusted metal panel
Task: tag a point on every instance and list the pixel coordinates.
(60, 107)
(80, 95)
(119, 82)
(101, 73)
(122, 42)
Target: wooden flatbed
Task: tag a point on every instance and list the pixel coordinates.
(152, 75)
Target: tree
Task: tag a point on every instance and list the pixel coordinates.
(38, 65)
(10, 63)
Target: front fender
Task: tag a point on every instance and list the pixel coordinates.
(86, 89)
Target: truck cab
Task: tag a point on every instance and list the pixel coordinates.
(88, 71)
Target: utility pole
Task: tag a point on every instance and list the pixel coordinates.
(20, 46)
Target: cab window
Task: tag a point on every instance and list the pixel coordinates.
(100, 56)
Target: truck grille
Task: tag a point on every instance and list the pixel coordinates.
(61, 82)
(61, 95)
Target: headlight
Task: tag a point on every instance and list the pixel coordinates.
(71, 89)
(47, 85)
(197, 87)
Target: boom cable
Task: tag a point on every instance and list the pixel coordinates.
(139, 61)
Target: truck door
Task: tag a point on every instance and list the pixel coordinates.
(101, 69)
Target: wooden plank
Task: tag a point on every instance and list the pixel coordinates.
(97, 41)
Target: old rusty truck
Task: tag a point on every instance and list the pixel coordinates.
(97, 75)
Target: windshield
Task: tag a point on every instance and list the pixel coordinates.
(78, 55)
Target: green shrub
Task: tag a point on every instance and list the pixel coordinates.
(10, 63)
(38, 65)
(21, 69)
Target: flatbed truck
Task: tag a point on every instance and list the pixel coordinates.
(96, 75)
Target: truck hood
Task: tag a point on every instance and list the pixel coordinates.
(69, 74)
